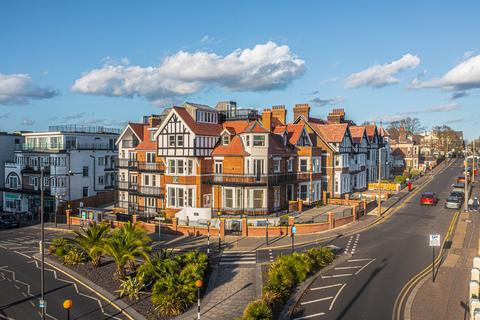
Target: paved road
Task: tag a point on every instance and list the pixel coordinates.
(20, 283)
(381, 261)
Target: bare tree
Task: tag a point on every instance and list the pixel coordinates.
(446, 139)
(410, 124)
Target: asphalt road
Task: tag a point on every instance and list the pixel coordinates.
(20, 283)
(381, 260)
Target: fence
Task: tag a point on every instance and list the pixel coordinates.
(98, 200)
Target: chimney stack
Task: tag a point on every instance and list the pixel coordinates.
(267, 119)
(301, 109)
(280, 113)
(336, 115)
(153, 120)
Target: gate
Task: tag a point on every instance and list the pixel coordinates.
(233, 227)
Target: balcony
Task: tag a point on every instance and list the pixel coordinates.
(256, 179)
(134, 208)
(251, 212)
(127, 164)
(140, 190)
(150, 166)
(59, 147)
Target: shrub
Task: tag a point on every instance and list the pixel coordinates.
(74, 256)
(258, 310)
(58, 247)
(130, 287)
(91, 239)
(151, 270)
(283, 220)
(400, 179)
(171, 296)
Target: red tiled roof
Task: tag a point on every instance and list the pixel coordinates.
(203, 129)
(138, 129)
(357, 133)
(146, 143)
(256, 127)
(294, 131)
(237, 126)
(234, 148)
(370, 130)
(331, 132)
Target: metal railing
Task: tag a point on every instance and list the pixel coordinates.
(60, 146)
(256, 179)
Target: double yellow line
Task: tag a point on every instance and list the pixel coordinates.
(404, 293)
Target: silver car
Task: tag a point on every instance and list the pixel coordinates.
(453, 203)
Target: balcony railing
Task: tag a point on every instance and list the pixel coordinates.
(129, 143)
(149, 166)
(134, 208)
(48, 147)
(256, 179)
(139, 189)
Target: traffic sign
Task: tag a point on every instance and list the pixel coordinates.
(41, 303)
(434, 240)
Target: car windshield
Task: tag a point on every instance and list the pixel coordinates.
(428, 196)
(459, 185)
(453, 199)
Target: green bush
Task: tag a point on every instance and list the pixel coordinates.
(174, 288)
(400, 179)
(287, 271)
(58, 247)
(258, 310)
(74, 256)
(130, 287)
(283, 220)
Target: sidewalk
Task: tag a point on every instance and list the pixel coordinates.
(447, 298)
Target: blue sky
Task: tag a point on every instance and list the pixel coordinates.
(107, 62)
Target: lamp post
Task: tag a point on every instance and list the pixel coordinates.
(67, 305)
(208, 238)
(219, 235)
(266, 231)
(198, 284)
(42, 245)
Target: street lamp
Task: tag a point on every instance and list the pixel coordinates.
(198, 284)
(208, 238)
(266, 231)
(67, 305)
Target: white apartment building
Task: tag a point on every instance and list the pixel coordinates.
(77, 162)
(8, 144)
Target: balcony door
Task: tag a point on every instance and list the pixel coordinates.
(258, 168)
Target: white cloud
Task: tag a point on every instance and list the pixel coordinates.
(20, 89)
(464, 76)
(388, 118)
(210, 40)
(27, 122)
(379, 76)
(443, 108)
(265, 67)
(323, 102)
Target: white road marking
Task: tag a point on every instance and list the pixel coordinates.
(364, 266)
(326, 287)
(345, 268)
(310, 316)
(237, 262)
(316, 300)
(337, 276)
(336, 296)
(357, 260)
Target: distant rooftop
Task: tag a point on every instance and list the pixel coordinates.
(84, 129)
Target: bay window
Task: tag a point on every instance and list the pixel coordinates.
(258, 198)
(258, 140)
(228, 198)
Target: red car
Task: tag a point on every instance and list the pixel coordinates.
(461, 179)
(429, 198)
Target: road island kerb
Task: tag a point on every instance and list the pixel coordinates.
(116, 302)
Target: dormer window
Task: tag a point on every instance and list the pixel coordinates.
(285, 138)
(225, 139)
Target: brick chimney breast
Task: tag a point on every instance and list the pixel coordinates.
(153, 120)
(336, 115)
(267, 119)
(301, 109)
(280, 113)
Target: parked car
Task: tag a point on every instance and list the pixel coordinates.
(453, 202)
(461, 179)
(458, 194)
(429, 198)
(7, 222)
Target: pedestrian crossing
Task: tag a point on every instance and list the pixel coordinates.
(238, 258)
(27, 245)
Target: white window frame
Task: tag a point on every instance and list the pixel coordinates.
(259, 140)
(276, 165)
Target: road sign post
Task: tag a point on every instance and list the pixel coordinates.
(434, 242)
(294, 230)
(159, 219)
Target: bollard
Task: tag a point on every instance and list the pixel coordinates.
(474, 288)
(475, 275)
(476, 262)
(474, 305)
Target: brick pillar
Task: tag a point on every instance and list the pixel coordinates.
(244, 227)
(222, 227)
(364, 202)
(299, 205)
(354, 213)
(134, 218)
(324, 197)
(347, 198)
(175, 224)
(331, 220)
(68, 212)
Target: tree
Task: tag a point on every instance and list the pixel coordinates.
(446, 139)
(410, 124)
(91, 240)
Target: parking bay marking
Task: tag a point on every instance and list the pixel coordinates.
(326, 287)
(338, 275)
(316, 300)
(336, 296)
(310, 316)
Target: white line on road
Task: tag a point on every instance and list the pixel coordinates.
(357, 260)
(336, 296)
(337, 276)
(316, 300)
(326, 287)
(310, 316)
(365, 266)
(345, 268)
(237, 262)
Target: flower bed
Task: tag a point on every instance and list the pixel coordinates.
(160, 288)
(284, 274)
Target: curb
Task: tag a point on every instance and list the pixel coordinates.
(116, 302)
(300, 290)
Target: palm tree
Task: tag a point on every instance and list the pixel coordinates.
(126, 245)
(91, 240)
